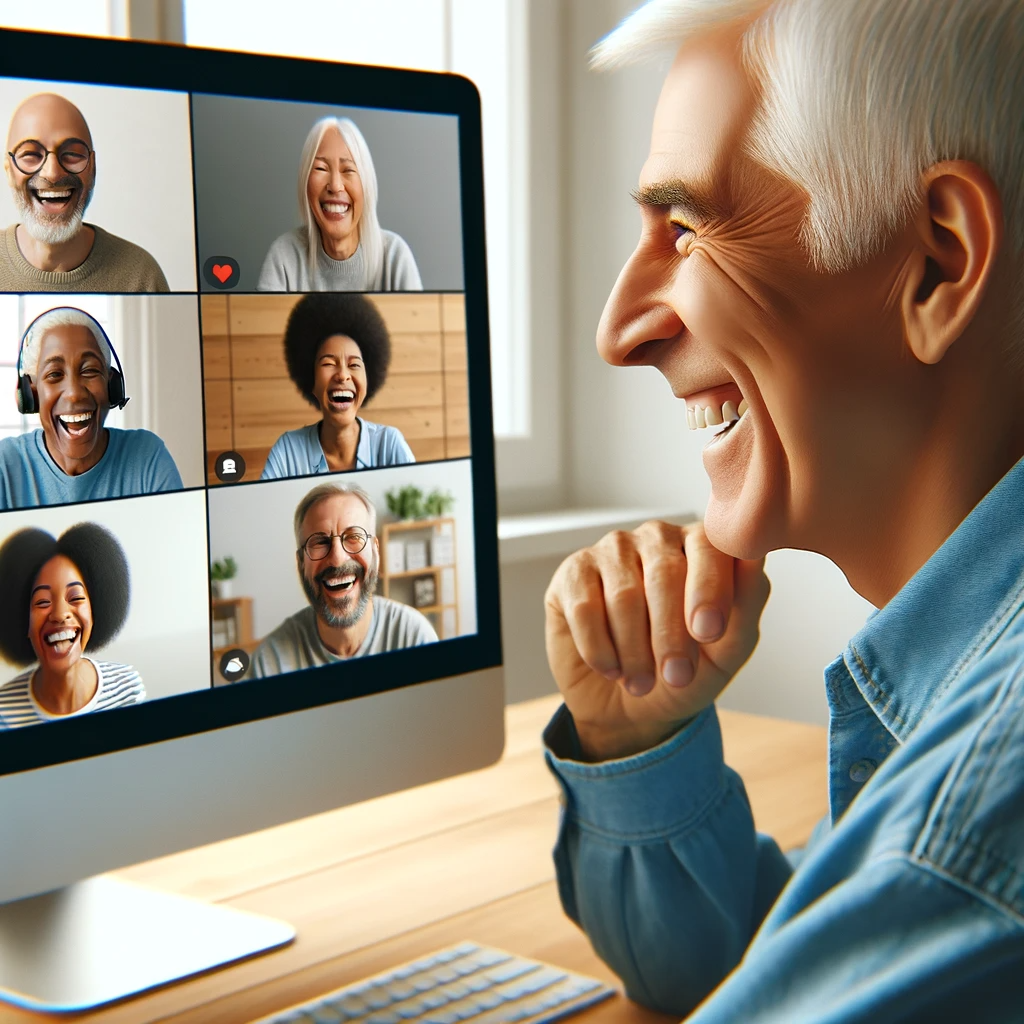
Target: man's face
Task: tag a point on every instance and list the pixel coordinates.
(340, 584)
(71, 383)
(51, 199)
(720, 296)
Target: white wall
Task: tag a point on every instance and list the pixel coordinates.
(157, 338)
(253, 524)
(143, 149)
(167, 633)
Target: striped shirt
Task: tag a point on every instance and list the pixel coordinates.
(119, 686)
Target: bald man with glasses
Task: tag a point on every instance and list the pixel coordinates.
(338, 559)
(51, 170)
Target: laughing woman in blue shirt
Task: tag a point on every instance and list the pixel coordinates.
(337, 350)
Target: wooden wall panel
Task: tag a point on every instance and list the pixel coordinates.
(417, 353)
(264, 410)
(406, 391)
(259, 356)
(214, 312)
(410, 314)
(453, 313)
(218, 415)
(216, 358)
(251, 400)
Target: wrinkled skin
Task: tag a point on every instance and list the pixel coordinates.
(880, 407)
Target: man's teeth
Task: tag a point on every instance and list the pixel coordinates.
(698, 417)
(51, 194)
(64, 634)
(342, 396)
(80, 417)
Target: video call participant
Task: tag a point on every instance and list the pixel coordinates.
(340, 245)
(51, 169)
(66, 376)
(832, 239)
(338, 559)
(338, 351)
(59, 598)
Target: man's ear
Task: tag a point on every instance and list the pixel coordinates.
(959, 232)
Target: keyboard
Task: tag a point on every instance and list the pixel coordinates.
(465, 982)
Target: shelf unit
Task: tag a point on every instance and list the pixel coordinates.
(438, 534)
(235, 614)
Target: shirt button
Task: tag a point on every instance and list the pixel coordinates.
(861, 771)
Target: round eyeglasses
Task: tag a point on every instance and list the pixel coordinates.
(318, 545)
(72, 154)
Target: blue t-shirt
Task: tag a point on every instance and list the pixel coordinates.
(135, 462)
(298, 452)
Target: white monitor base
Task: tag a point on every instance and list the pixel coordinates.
(100, 940)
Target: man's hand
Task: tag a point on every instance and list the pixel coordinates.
(645, 629)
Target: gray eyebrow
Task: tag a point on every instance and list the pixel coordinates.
(676, 192)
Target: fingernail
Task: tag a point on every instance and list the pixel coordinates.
(707, 623)
(678, 671)
(640, 686)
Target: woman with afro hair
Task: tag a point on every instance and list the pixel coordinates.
(337, 350)
(61, 596)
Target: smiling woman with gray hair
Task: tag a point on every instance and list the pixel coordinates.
(340, 246)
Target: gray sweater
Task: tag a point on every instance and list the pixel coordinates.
(286, 268)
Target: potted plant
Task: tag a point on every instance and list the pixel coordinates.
(222, 572)
(438, 503)
(406, 503)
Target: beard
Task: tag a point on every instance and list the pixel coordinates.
(59, 227)
(352, 611)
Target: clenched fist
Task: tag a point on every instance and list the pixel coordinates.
(645, 629)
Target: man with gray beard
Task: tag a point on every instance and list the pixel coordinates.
(51, 169)
(338, 558)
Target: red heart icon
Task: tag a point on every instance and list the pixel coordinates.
(222, 271)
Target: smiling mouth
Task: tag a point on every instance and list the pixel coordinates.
(340, 584)
(76, 424)
(53, 200)
(341, 398)
(332, 209)
(62, 640)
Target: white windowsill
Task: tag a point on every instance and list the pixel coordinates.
(550, 534)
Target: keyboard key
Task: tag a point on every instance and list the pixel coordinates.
(462, 967)
(409, 1010)
(352, 1006)
(387, 1017)
(377, 998)
(465, 948)
(442, 1017)
(444, 974)
(478, 982)
(515, 969)
(490, 957)
(447, 956)
(400, 990)
(432, 1000)
(423, 983)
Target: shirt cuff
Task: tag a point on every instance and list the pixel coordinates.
(662, 790)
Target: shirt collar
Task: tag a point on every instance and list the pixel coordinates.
(947, 615)
(317, 459)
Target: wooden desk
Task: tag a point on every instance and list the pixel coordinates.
(378, 883)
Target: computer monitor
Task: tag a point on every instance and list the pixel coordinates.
(248, 548)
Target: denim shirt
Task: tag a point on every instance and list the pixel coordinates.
(298, 452)
(908, 903)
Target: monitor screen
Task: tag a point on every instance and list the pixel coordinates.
(246, 459)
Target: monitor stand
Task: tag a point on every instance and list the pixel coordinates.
(101, 939)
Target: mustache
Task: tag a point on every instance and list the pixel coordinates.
(334, 572)
(69, 180)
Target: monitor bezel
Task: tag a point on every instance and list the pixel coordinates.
(188, 70)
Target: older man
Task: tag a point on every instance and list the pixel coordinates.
(67, 378)
(51, 169)
(830, 267)
(338, 558)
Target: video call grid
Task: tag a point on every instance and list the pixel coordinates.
(194, 293)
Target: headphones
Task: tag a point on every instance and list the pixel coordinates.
(25, 395)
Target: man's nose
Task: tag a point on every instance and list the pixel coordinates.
(51, 169)
(636, 315)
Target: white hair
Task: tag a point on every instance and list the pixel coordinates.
(324, 491)
(64, 316)
(370, 239)
(860, 97)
